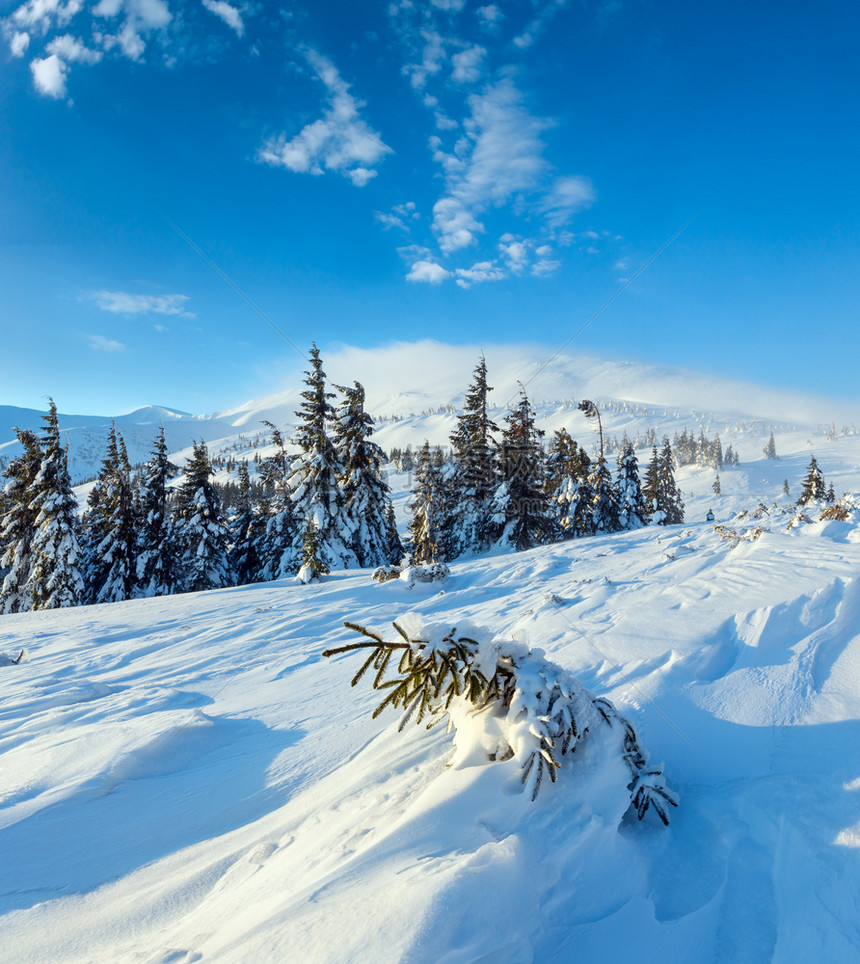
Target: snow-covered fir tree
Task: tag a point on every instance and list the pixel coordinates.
(651, 485)
(669, 505)
(366, 495)
(18, 524)
(813, 488)
(476, 472)
(202, 535)
(247, 529)
(276, 549)
(312, 564)
(718, 489)
(55, 580)
(157, 551)
(109, 539)
(521, 517)
(769, 451)
(430, 519)
(315, 476)
(632, 508)
(605, 507)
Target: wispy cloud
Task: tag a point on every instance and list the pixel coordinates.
(567, 196)
(126, 303)
(500, 157)
(400, 216)
(100, 343)
(230, 15)
(339, 141)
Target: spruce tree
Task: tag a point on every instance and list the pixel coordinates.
(718, 490)
(427, 506)
(605, 507)
(247, 528)
(813, 484)
(366, 495)
(55, 580)
(313, 566)
(202, 535)
(651, 486)
(110, 541)
(476, 472)
(632, 508)
(769, 451)
(157, 551)
(520, 505)
(18, 524)
(670, 506)
(314, 480)
(278, 526)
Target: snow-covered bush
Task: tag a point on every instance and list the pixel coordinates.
(532, 710)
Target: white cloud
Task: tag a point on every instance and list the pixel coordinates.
(544, 267)
(515, 253)
(468, 65)
(45, 15)
(69, 48)
(140, 17)
(100, 343)
(538, 24)
(501, 158)
(339, 141)
(18, 43)
(125, 303)
(428, 271)
(480, 271)
(399, 217)
(489, 17)
(230, 15)
(568, 195)
(454, 6)
(433, 56)
(49, 75)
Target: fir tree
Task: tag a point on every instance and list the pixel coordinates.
(55, 580)
(110, 541)
(367, 497)
(201, 533)
(476, 474)
(670, 506)
(632, 508)
(651, 486)
(520, 505)
(313, 566)
(785, 488)
(428, 509)
(813, 484)
(605, 510)
(769, 451)
(247, 528)
(278, 526)
(157, 562)
(716, 486)
(18, 524)
(316, 493)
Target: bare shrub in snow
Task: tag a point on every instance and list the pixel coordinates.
(532, 710)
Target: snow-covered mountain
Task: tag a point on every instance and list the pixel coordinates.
(413, 389)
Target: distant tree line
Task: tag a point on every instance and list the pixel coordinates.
(326, 507)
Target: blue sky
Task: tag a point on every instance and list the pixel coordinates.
(369, 171)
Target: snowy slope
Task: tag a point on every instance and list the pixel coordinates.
(187, 779)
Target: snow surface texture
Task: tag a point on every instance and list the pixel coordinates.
(186, 778)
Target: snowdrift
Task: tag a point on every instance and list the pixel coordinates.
(187, 779)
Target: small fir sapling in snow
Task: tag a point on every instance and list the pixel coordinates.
(18, 524)
(716, 486)
(533, 711)
(785, 488)
(55, 580)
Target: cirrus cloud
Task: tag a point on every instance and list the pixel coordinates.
(126, 303)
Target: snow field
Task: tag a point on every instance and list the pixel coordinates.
(187, 779)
